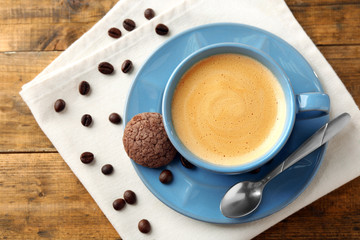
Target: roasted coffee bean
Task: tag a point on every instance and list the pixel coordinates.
(115, 118)
(106, 68)
(119, 204)
(149, 13)
(166, 176)
(161, 29)
(130, 197)
(114, 32)
(255, 171)
(144, 226)
(86, 120)
(86, 157)
(126, 66)
(129, 24)
(186, 163)
(84, 88)
(107, 169)
(59, 105)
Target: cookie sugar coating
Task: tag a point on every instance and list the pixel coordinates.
(146, 142)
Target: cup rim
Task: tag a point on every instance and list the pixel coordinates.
(176, 75)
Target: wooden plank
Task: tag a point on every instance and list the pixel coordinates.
(53, 11)
(18, 128)
(41, 37)
(41, 198)
(307, 3)
(331, 25)
(20, 133)
(346, 62)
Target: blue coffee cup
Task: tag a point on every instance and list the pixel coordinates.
(305, 105)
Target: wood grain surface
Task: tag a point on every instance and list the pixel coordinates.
(39, 195)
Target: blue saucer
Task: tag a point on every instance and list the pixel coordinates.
(196, 193)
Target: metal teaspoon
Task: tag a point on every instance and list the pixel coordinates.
(244, 197)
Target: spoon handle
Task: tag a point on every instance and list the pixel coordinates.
(320, 137)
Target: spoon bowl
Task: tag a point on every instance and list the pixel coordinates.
(240, 198)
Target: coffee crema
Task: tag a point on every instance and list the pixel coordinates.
(228, 109)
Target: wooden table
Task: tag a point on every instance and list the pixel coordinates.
(41, 198)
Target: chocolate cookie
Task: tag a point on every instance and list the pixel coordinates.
(146, 142)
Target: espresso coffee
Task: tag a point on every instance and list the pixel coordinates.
(228, 109)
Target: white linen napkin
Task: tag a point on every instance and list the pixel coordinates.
(109, 93)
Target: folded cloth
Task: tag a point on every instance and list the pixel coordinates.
(109, 93)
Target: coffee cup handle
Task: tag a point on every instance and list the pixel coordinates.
(313, 102)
